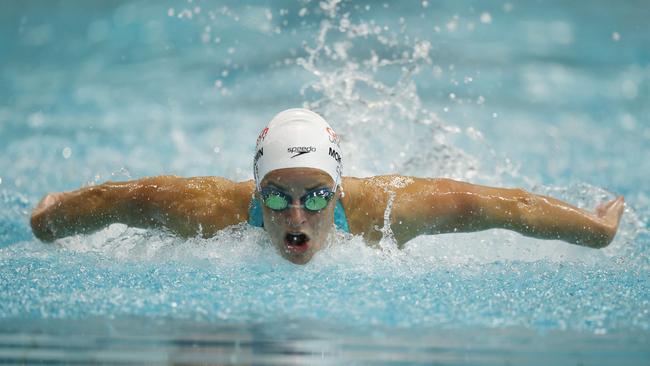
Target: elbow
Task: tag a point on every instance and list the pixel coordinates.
(598, 240)
(602, 242)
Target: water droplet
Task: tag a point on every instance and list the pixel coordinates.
(486, 18)
(36, 119)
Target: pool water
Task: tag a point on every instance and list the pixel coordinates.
(549, 96)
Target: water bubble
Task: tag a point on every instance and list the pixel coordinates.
(421, 50)
(486, 18)
(616, 36)
(507, 7)
(67, 152)
(185, 13)
(216, 149)
(170, 12)
(0, 180)
(452, 25)
(425, 3)
(495, 115)
(302, 12)
(35, 119)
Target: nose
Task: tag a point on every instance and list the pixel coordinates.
(296, 216)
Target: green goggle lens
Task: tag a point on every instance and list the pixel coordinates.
(275, 202)
(312, 201)
(316, 203)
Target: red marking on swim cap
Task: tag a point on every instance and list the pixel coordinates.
(262, 135)
(334, 138)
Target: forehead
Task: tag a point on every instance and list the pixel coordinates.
(297, 178)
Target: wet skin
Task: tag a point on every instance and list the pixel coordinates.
(420, 206)
(296, 232)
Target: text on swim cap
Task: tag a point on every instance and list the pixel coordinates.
(335, 155)
(299, 150)
(258, 155)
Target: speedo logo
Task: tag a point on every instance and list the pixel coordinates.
(300, 150)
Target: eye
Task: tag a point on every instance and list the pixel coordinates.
(316, 203)
(275, 202)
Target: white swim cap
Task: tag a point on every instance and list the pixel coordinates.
(298, 138)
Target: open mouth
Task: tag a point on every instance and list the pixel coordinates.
(296, 241)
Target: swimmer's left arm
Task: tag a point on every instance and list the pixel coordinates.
(435, 206)
(449, 206)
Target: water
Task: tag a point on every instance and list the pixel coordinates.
(547, 96)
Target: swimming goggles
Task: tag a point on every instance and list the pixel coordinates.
(314, 200)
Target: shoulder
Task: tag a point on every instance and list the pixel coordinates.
(195, 192)
(366, 199)
(382, 185)
(208, 184)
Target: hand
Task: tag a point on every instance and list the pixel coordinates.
(41, 220)
(611, 212)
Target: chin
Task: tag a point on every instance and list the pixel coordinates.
(298, 247)
(297, 255)
(301, 260)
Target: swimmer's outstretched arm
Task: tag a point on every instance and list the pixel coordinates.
(434, 206)
(186, 206)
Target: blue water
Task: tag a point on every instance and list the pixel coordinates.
(549, 96)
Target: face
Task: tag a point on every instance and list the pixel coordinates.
(296, 232)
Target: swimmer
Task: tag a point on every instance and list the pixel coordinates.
(299, 196)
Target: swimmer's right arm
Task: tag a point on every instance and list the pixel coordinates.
(186, 206)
